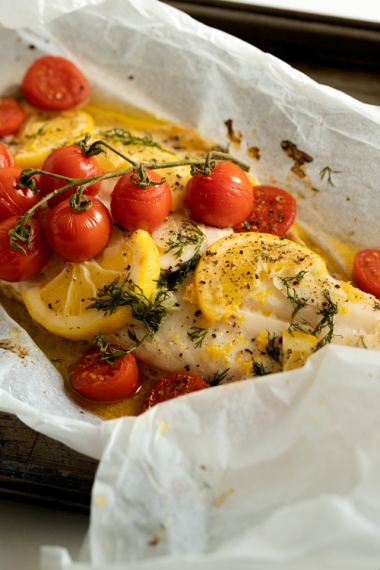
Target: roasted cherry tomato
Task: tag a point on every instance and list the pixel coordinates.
(221, 199)
(367, 271)
(6, 157)
(78, 236)
(274, 211)
(96, 379)
(172, 386)
(14, 201)
(55, 84)
(71, 162)
(138, 208)
(11, 116)
(15, 265)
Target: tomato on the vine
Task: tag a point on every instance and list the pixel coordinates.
(274, 211)
(15, 265)
(78, 236)
(6, 157)
(172, 386)
(96, 379)
(71, 162)
(367, 271)
(54, 83)
(11, 116)
(14, 201)
(221, 199)
(138, 208)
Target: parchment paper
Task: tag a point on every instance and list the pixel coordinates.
(277, 472)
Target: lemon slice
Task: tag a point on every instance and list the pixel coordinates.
(43, 132)
(60, 304)
(230, 268)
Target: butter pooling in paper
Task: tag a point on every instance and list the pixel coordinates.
(276, 472)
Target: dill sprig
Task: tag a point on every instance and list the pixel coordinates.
(327, 170)
(328, 312)
(110, 352)
(126, 293)
(189, 234)
(258, 369)
(273, 350)
(198, 335)
(297, 302)
(217, 377)
(376, 306)
(265, 254)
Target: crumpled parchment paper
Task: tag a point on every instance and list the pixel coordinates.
(276, 472)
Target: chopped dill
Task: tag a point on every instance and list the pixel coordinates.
(124, 136)
(217, 378)
(108, 352)
(376, 306)
(258, 369)
(273, 350)
(297, 302)
(328, 171)
(126, 293)
(329, 310)
(264, 254)
(198, 335)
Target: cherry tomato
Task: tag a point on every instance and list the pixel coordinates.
(138, 208)
(274, 211)
(14, 201)
(367, 271)
(172, 386)
(6, 157)
(15, 265)
(78, 236)
(54, 84)
(96, 379)
(221, 199)
(11, 116)
(71, 162)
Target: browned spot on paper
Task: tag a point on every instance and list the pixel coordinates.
(299, 157)
(203, 467)
(218, 501)
(155, 540)
(254, 152)
(18, 349)
(234, 135)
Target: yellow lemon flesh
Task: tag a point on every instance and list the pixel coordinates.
(43, 132)
(232, 266)
(59, 305)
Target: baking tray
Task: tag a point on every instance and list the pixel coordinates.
(337, 52)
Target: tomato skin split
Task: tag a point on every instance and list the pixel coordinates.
(15, 266)
(54, 83)
(71, 162)
(172, 386)
(138, 208)
(221, 199)
(6, 157)
(78, 236)
(14, 201)
(11, 116)
(274, 211)
(366, 273)
(97, 380)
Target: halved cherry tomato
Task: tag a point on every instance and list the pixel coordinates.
(15, 265)
(367, 271)
(96, 379)
(78, 236)
(68, 161)
(172, 386)
(274, 211)
(6, 157)
(11, 116)
(138, 208)
(54, 84)
(221, 199)
(14, 201)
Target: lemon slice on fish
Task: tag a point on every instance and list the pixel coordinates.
(231, 267)
(60, 304)
(43, 132)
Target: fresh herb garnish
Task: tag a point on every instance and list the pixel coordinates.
(329, 310)
(376, 306)
(265, 254)
(199, 335)
(258, 369)
(124, 136)
(327, 170)
(109, 352)
(297, 302)
(217, 378)
(126, 293)
(189, 234)
(273, 350)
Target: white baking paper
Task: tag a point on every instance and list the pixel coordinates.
(280, 472)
